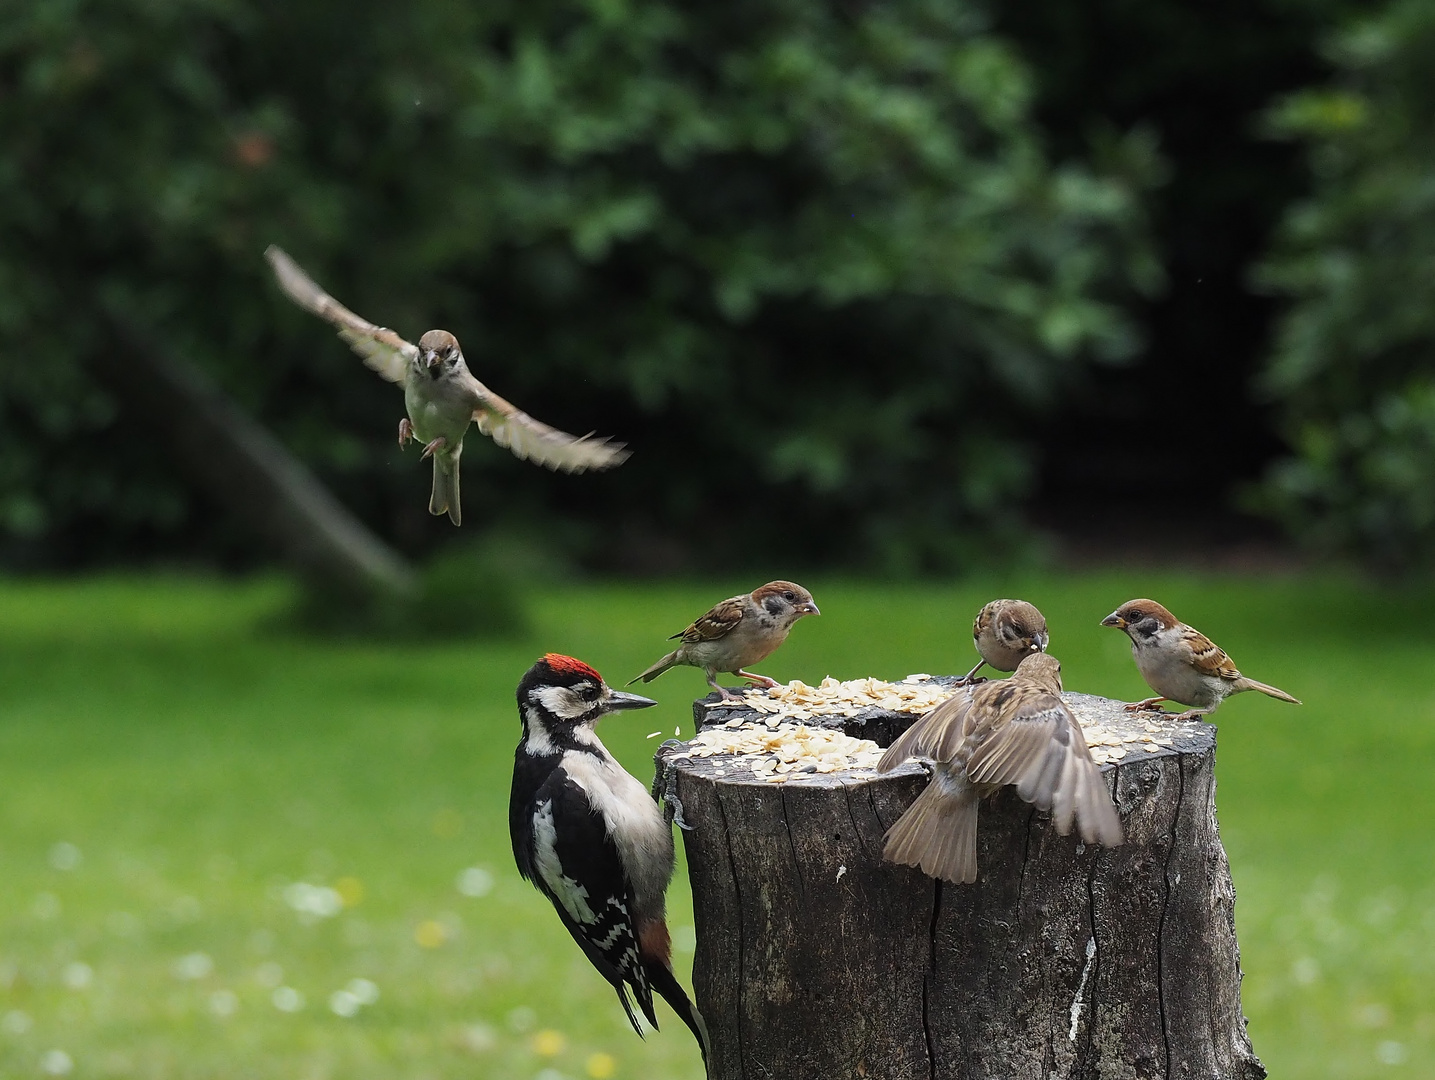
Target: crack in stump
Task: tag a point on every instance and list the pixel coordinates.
(927, 981)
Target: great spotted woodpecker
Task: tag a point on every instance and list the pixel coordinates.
(588, 835)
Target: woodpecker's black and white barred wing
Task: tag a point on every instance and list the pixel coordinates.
(574, 862)
(382, 349)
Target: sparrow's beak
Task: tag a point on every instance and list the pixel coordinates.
(1038, 643)
(430, 358)
(618, 701)
(1114, 620)
(809, 608)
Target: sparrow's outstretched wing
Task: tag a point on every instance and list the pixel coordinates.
(382, 349)
(532, 440)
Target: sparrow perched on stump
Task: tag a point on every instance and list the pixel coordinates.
(1014, 731)
(740, 631)
(1179, 662)
(1006, 632)
(588, 835)
(442, 398)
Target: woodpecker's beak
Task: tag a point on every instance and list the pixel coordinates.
(809, 608)
(618, 701)
(1114, 620)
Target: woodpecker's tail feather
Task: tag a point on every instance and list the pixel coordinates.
(1269, 691)
(657, 669)
(938, 833)
(444, 499)
(662, 979)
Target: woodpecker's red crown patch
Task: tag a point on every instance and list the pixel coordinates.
(566, 665)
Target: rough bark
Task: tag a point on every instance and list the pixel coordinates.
(817, 960)
(247, 471)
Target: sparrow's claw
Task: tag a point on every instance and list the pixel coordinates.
(729, 695)
(437, 444)
(756, 680)
(971, 680)
(1190, 714)
(406, 432)
(1151, 704)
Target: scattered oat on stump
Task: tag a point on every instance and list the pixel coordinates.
(816, 959)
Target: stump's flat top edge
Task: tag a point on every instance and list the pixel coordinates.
(1116, 736)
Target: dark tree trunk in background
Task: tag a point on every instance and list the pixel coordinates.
(817, 960)
(247, 471)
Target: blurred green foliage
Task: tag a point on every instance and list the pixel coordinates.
(1354, 365)
(804, 253)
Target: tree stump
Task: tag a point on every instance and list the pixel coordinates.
(817, 961)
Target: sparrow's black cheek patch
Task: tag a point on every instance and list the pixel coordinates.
(773, 605)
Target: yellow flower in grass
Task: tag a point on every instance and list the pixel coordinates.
(601, 1066)
(430, 934)
(548, 1043)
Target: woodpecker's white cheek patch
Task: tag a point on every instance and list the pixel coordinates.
(562, 702)
(570, 894)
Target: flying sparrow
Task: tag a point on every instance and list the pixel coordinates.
(741, 630)
(1015, 731)
(1006, 632)
(442, 398)
(1179, 662)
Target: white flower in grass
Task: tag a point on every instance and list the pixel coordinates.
(16, 1022)
(479, 1038)
(342, 1003)
(522, 1019)
(364, 990)
(287, 999)
(1390, 1052)
(316, 901)
(77, 975)
(475, 882)
(223, 1003)
(195, 965)
(56, 1063)
(65, 856)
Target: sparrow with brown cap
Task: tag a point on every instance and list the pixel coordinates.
(1005, 633)
(740, 631)
(441, 396)
(1179, 662)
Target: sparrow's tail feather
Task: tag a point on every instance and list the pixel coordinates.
(662, 979)
(938, 833)
(1269, 691)
(657, 669)
(444, 499)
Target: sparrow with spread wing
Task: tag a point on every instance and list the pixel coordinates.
(1005, 633)
(442, 398)
(1179, 662)
(1015, 731)
(741, 630)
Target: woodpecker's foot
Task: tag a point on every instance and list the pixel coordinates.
(1151, 704)
(665, 788)
(437, 444)
(406, 432)
(756, 680)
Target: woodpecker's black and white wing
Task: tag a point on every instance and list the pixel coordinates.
(381, 349)
(574, 862)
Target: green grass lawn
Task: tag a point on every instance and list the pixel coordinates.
(209, 830)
